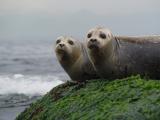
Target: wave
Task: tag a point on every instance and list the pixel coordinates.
(30, 85)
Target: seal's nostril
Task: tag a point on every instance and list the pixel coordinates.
(61, 45)
(93, 40)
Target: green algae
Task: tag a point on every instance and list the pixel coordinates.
(131, 98)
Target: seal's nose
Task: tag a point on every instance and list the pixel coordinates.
(61, 44)
(93, 40)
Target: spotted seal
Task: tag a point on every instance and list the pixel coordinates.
(121, 56)
(72, 56)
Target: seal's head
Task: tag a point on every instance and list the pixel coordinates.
(67, 49)
(98, 37)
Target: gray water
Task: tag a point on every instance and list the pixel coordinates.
(28, 70)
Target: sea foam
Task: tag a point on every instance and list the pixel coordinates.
(27, 84)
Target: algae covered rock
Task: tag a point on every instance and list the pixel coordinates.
(131, 98)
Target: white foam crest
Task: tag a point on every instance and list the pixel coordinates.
(29, 85)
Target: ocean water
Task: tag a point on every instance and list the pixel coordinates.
(28, 70)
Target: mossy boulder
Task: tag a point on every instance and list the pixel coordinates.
(131, 98)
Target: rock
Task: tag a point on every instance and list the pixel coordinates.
(132, 98)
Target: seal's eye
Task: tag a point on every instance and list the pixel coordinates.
(58, 41)
(70, 42)
(89, 35)
(102, 35)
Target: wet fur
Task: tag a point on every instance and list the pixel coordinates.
(79, 68)
(139, 55)
(128, 56)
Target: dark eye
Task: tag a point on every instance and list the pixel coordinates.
(70, 42)
(102, 35)
(89, 35)
(58, 41)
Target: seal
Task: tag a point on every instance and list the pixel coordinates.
(121, 56)
(72, 56)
